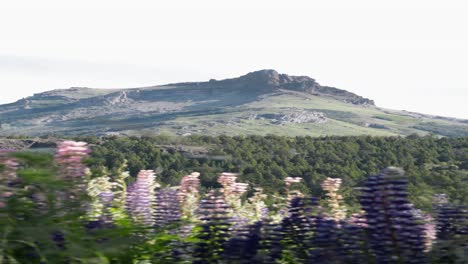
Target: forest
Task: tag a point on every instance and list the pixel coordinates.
(433, 165)
(246, 199)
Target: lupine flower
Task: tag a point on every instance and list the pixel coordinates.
(69, 156)
(188, 194)
(167, 207)
(214, 213)
(357, 219)
(232, 190)
(395, 234)
(292, 193)
(270, 243)
(452, 234)
(230, 186)
(101, 192)
(439, 200)
(297, 228)
(352, 235)
(8, 177)
(9, 166)
(244, 244)
(332, 186)
(430, 231)
(291, 180)
(141, 197)
(325, 244)
(255, 208)
(189, 184)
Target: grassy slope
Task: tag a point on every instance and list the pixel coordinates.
(344, 119)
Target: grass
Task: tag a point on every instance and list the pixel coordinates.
(343, 119)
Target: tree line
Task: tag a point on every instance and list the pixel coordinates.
(433, 165)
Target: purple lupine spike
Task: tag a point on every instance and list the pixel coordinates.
(325, 241)
(439, 200)
(140, 198)
(298, 228)
(214, 232)
(395, 232)
(239, 224)
(353, 239)
(270, 248)
(243, 245)
(452, 234)
(167, 207)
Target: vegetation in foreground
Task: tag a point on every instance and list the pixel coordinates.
(55, 211)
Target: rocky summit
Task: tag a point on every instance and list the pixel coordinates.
(260, 102)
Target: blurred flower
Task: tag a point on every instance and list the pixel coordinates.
(141, 197)
(189, 184)
(188, 194)
(230, 186)
(70, 156)
(332, 186)
(291, 180)
(101, 191)
(167, 207)
(439, 200)
(395, 232)
(8, 178)
(291, 194)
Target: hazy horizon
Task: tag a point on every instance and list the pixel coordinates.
(403, 55)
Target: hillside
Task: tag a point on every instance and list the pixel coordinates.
(261, 102)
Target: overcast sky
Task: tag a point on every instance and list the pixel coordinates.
(405, 54)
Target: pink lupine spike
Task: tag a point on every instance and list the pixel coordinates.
(7, 175)
(188, 184)
(70, 156)
(230, 186)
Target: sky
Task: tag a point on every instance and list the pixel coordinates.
(404, 54)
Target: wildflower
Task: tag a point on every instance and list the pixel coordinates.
(8, 178)
(141, 197)
(100, 190)
(188, 185)
(188, 194)
(291, 180)
(395, 234)
(70, 156)
(230, 186)
(292, 193)
(167, 207)
(332, 186)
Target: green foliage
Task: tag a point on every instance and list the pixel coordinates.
(38, 224)
(433, 165)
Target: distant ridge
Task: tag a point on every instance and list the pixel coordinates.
(259, 102)
(271, 79)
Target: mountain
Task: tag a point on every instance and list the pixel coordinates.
(261, 102)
